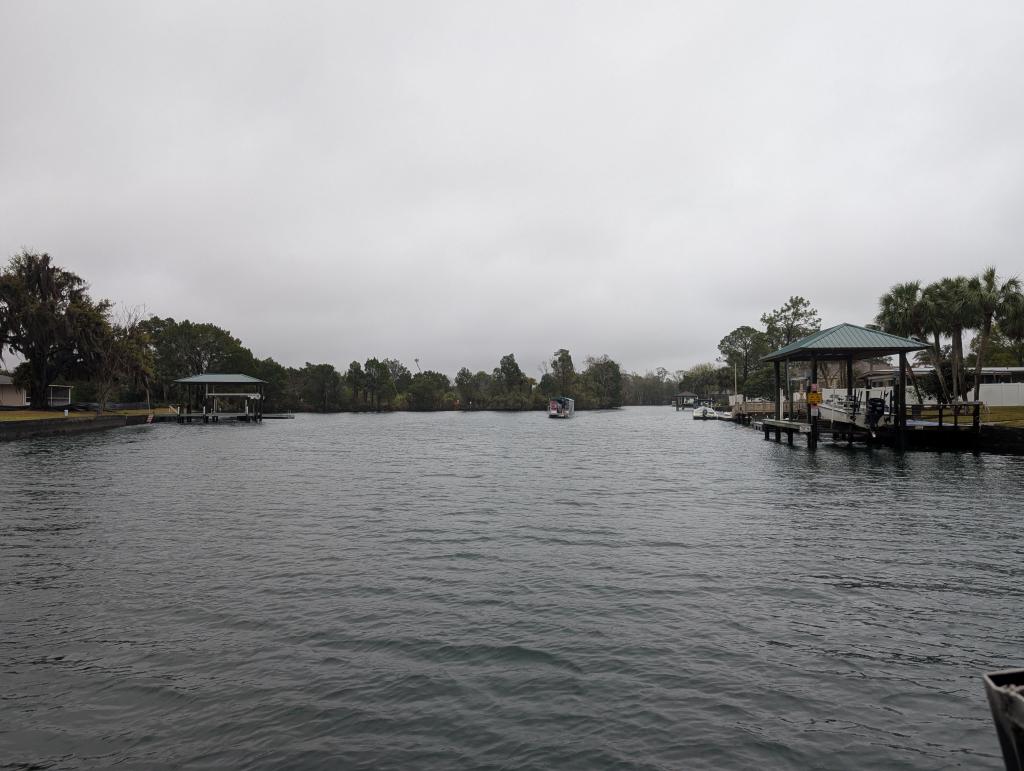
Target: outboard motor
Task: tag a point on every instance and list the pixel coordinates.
(874, 412)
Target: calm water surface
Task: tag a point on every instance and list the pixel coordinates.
(628, 589)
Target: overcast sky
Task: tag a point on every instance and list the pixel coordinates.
(454, 181)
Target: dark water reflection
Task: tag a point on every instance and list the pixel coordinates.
(629, 589)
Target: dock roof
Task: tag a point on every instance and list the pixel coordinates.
(844, 340)
(213, 377)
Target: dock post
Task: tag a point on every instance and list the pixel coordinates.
(812, 409)
(901, 405)
(789, 390)
(778, 392)
(849, 390)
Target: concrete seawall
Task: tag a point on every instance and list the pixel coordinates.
(25, 429)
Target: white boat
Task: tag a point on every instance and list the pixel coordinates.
(869, 414)
(704, 412)
(561, 407)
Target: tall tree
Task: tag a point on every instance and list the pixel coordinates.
(124, 356)
(185, 348)
(603, 377)
(429, 391)
(400, 374)
(931, 314)
(1011, 324)
(378, 382)
(900, 313)
(795, 319)
(356, 379)
(563, 371)
(321, 387)
(990, 296)
(743, 348)
(702, 378)
(509, 375)
(956, 311)
(47, 316)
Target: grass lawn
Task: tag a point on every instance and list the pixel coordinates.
(1004, 416)
(7, 416)
(11, 415)
(155, 411)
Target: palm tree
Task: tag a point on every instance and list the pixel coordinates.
(1010, 317)
(899, 313)
(930, 310)
(956, 312)
(989, 297)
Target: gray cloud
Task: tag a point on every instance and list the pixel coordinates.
(454, 181)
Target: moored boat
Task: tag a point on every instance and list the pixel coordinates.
(705, 412)
(868, 413)
(561, 407)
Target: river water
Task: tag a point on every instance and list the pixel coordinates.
(627, 589)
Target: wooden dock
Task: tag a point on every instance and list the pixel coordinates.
(954, 425)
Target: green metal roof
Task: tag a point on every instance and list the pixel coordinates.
(842, 340)
(211, 377)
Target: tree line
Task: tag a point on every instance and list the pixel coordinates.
(940, 314)
(111, 355)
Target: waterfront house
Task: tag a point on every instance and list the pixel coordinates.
(57, 396)
(11, 395)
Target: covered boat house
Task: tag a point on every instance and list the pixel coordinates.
(843, 343)
(215, 396)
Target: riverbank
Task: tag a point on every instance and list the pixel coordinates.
(27, 424)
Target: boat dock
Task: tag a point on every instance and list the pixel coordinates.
(935, 425)
(212, 397)
(857, 414)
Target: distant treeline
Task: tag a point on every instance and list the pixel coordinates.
(181, 349)
(63, 335)
(48, 317)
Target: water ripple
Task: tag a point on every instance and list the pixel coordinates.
(628, 589)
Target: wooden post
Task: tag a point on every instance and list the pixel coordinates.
(812, 438)
(849, 393)
(901, 405)
(789, 389)
(778, 392)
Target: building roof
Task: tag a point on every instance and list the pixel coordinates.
(8, 380)
(844, 340)
(213, 377)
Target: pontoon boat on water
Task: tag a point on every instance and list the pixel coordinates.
(561, 407)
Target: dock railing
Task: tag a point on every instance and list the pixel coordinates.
(958, 415)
